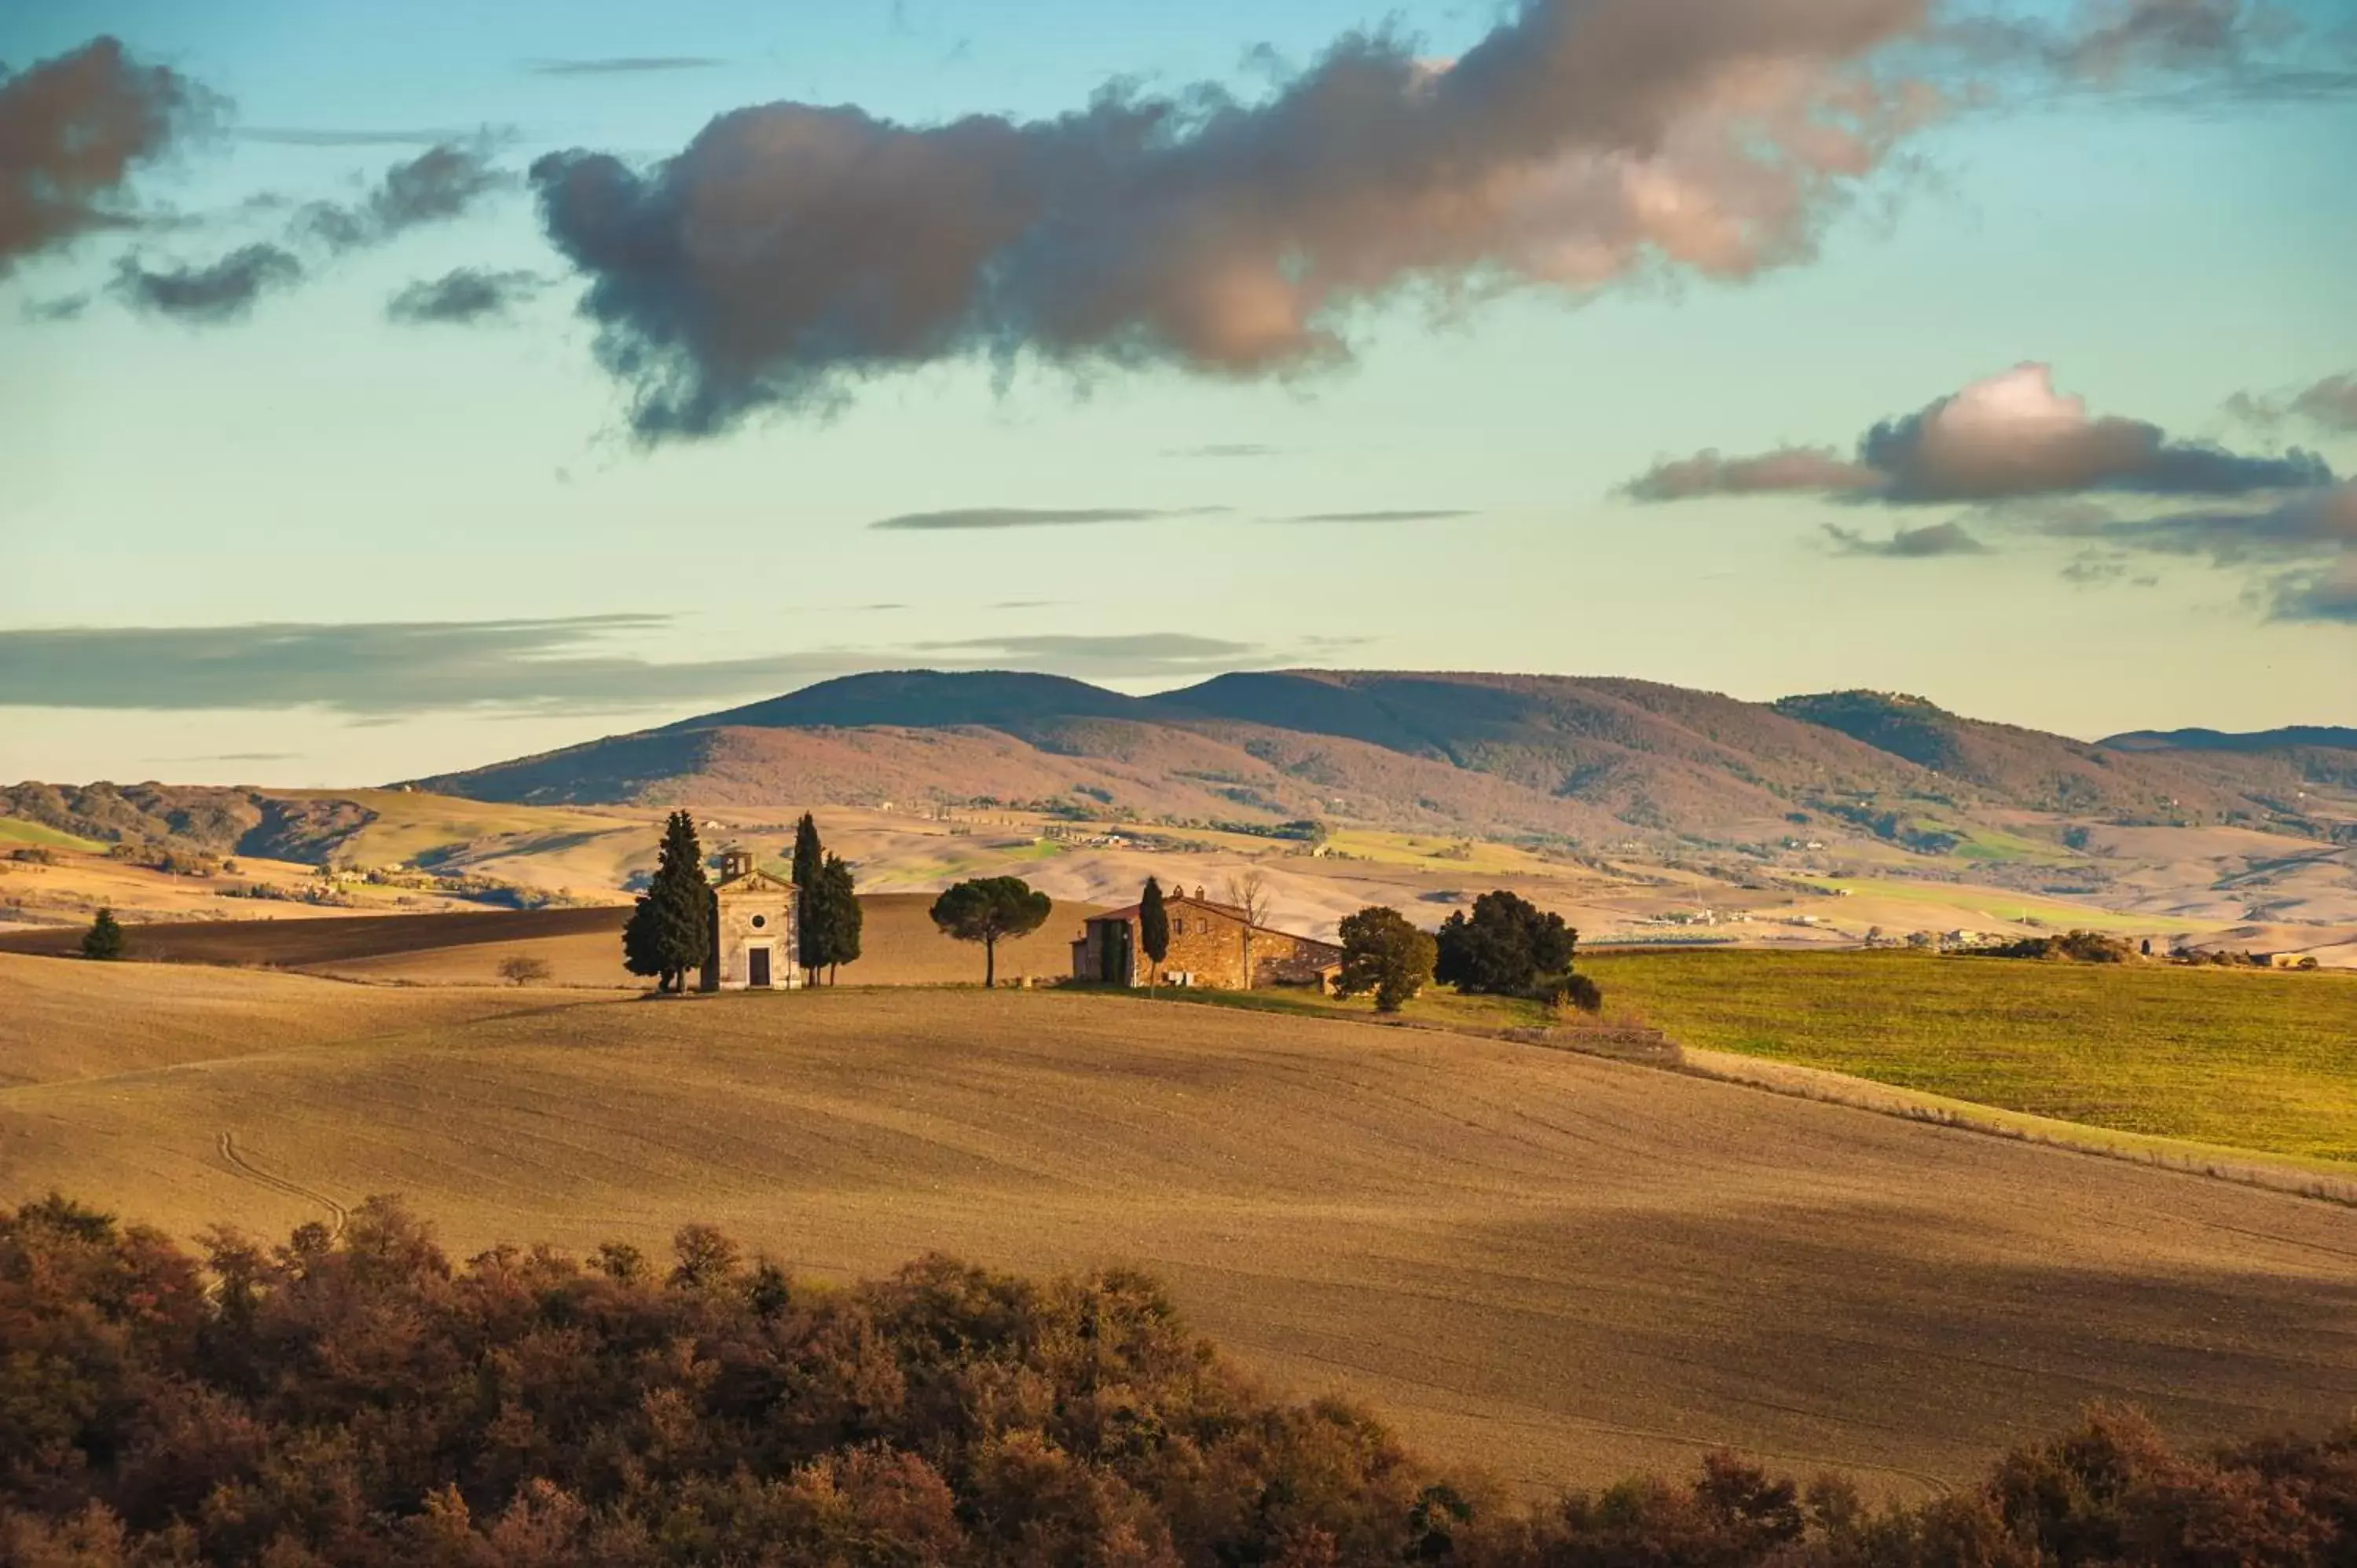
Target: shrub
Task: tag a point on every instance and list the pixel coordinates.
(2071, 947)
(1572, 993)
(360, 1400)
(519, 969)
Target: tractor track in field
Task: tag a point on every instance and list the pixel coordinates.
(238, 1162)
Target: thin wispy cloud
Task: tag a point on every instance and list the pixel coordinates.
(368, 668)
(2330, 405)
(58, 307)
(1222, 449)
(374, 671)
(1400, 514)
(622, 65)
(465, 296)
(986, 518)
(441, 183)
(1118, 654)
(330, 136)
(1908, 543)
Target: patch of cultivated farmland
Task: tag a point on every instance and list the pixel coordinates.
(1556, 1267)
(2248, 1058)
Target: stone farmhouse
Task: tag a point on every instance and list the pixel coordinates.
(753, 915)
(1206, 948)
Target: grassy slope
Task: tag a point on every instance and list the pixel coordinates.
(2247, 1059)
(1553, 1266)
(2234, 1059)
(410, 824)
(16, 830)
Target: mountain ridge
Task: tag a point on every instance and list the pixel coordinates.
(1571, 756)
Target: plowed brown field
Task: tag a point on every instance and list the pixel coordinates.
(1556, 1267)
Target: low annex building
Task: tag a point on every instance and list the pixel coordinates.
(1206, 948)
(753, 916)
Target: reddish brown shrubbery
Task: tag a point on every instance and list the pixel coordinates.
(359, 1400)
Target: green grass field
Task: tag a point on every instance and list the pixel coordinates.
(2247, 1059)
(15, 832)
(1998, 903)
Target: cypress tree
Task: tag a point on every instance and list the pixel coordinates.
(670, 933)
(809, 867)
(1153, 931)
(840, 917)
(105, 938)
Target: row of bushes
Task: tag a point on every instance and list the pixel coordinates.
(359, 1401)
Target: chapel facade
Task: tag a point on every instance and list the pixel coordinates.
(754, 918)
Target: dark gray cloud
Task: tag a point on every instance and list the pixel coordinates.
(2008, 437)
(622, 65)
(1936, 539)
(375, 671)
(2329, 595)
(466, 295)
(305, 136)
(2300, 552)
(212, 294)
(965, 519)
(792, 248)
(1400, 514)
(73, 129)
(2319, 522)
(438, 183)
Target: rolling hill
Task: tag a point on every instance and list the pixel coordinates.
(1558, 1266)
(1586, 768)
(1594, 759)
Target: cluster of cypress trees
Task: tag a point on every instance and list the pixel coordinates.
(827, 935)
(670, 933)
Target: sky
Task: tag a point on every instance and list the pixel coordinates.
(387, 389)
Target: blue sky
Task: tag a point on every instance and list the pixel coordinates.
(2161, 243)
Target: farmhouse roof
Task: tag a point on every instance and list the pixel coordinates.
(1175, 900)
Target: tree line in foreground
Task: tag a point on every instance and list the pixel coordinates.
(361, 1401)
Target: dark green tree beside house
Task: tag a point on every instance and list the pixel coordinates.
(988, 908)
(832, 916)
(670, 933)
(1153, 931)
